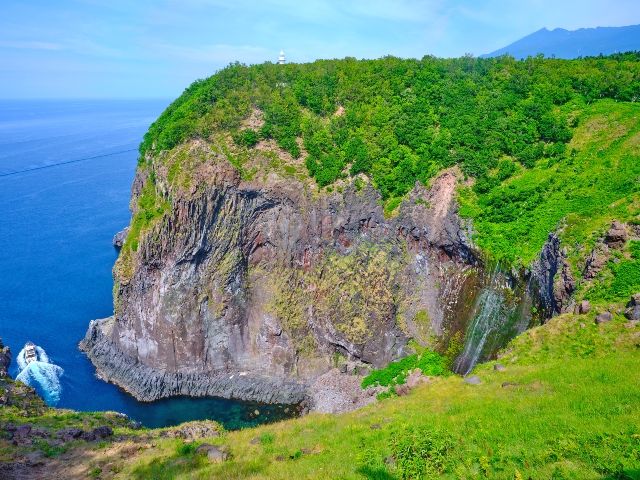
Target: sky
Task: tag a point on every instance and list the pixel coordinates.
(156, 48)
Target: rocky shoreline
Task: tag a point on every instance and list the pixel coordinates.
(147, 384)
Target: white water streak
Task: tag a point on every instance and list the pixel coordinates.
(41, 374)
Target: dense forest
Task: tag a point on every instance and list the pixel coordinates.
(402, 120)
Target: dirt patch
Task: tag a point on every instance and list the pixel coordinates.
(335, 392)
(255, 120)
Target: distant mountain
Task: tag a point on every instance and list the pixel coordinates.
(584, 42)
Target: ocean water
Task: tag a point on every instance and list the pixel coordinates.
(66, 169)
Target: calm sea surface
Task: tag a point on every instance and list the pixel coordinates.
(56, 227)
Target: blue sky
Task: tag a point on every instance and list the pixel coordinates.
(145, 48)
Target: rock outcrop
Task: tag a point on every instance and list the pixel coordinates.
(120, 237)
(249, 289)
(632, 311)
(5, 359)
(555, 282)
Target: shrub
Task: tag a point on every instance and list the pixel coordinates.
(247, 137)
(429, 362)
(420, 452)
(185, 449)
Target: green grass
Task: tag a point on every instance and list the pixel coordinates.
(620, 278)
(569, 411)
(429, 362)
(151, 206)
(596, 181)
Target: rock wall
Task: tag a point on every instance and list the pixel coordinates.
(5, 359)
(252, 289)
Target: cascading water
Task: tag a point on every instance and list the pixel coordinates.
(499, 314)
(41, 375)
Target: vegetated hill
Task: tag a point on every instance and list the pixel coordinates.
(584, 42)
(564, 406)
(509, 125)
(546, 145)
(299, 158)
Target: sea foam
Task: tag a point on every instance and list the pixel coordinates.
(42, 375)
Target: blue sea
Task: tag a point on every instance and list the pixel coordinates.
(66, 169)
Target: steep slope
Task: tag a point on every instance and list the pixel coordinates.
(584, 42)
(563, 407)
(563, 404)
(291, 219)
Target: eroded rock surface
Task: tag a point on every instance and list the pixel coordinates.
(247, 289)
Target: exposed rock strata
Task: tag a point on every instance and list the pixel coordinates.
(5, 359)
(248, 289)
(555, 282)
(147, 384)
(120, 237)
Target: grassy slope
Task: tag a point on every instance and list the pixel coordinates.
(581, 192)
(573, 414)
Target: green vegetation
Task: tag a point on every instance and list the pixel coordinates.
(151, 207)
(357, 293)
(565, 407)
(581, 192)
(247, 137)
(420, 453)
(546, 140)
(620, 278)
(429, 362)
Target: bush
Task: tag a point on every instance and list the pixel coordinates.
(247, 138)
(185, 449)
(429, 362)
(420, 453)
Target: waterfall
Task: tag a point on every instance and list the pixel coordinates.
(41, 374)
(498, 315)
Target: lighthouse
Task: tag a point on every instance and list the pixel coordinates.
(281, 59)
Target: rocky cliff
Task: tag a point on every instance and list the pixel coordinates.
(253, 288)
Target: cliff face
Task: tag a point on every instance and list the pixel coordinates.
(251, 289)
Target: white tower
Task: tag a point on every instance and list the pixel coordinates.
(281, 59)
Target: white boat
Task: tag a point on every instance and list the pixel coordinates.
(30, 353)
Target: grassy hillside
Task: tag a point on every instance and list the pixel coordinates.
(598, 180)
(565, 407)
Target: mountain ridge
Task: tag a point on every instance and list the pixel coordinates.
(568, 44)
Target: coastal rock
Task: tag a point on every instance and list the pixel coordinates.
(632, 311)
(336, 392)
(584, 307)
(402, 390)
(213, 453)
(597, 259)
(103, 431)
(193, 430)
(147, 384)
(120, 237)
(69, 434)
(472, 380)
(552, 274)
(248, 289)
(416, 378)
(5, 359)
